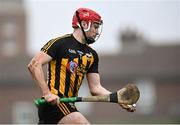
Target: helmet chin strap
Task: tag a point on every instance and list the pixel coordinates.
(89, 40)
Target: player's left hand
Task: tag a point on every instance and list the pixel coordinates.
(129, 108)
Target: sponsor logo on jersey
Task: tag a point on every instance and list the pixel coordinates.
(72, 51)
(72, 67)
(80, 53)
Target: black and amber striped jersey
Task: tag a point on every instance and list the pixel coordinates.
(71, 60)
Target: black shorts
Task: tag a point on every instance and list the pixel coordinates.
(52, 114)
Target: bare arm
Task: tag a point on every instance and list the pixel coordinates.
(95, 86)
(36, 70)
(97, 89)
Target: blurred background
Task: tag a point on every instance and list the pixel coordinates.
(140, 43)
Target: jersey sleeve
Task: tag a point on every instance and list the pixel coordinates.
(94, 66)
(50, 48)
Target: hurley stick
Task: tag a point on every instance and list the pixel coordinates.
(129, 95)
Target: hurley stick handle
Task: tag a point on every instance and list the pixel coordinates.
(102, 98)
(72, 99)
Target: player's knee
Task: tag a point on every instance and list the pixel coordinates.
(74, 118)
(79, 118)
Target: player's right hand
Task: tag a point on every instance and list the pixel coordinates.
(51, 98)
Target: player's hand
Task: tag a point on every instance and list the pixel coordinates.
(52, 98)
(129, 108)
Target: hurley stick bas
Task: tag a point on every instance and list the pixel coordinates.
(129, 95)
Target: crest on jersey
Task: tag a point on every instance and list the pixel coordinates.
(72, 66)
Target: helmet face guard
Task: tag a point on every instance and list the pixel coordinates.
(89, 16)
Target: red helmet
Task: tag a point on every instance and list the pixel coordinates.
(87, 15)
